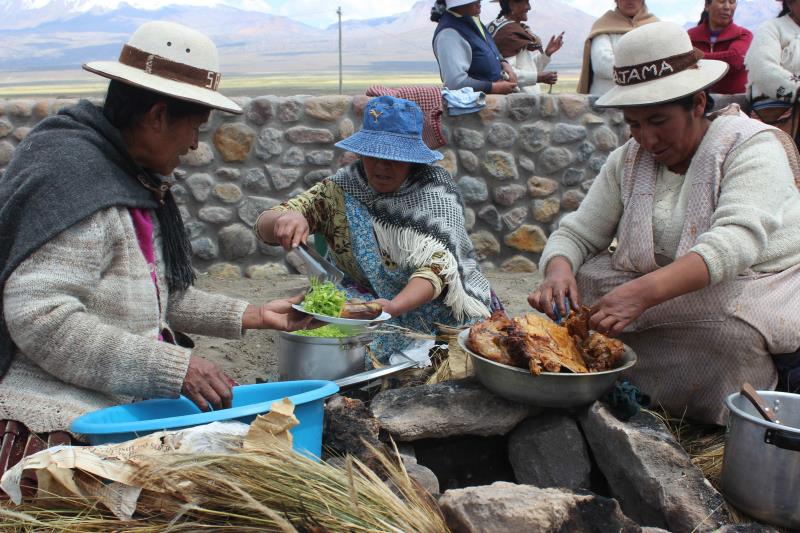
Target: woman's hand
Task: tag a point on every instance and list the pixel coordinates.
(511, 75)
(554, 45)
(612, 314)
(291, 228)
(503, 87)
(388, 306)
(559, 283)
(549, 77)
(278, 315)
(206, 385)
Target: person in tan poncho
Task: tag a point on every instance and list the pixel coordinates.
(598, 51)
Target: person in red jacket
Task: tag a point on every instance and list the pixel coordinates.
(719, 38)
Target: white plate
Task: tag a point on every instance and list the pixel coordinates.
(383, 317)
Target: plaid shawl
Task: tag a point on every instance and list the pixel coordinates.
(429, 100)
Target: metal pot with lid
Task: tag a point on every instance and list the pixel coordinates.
(761, 466)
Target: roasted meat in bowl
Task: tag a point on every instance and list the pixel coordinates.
(530, 359)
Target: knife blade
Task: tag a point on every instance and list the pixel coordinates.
(318, 266)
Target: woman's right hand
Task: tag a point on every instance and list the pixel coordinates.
(207, 385)
(291, 228)
(503, 87)
(559, 283)
(549, 77)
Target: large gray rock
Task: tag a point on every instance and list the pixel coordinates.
(650, 474)
(508, 508)
(549, 451)
(452, 408)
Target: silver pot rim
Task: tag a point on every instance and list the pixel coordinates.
(758, 420)
(361, 338)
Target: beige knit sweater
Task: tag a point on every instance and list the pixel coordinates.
(84, 314)
(754, 226)
(773, 60)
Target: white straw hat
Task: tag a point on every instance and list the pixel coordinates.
(457, 3)
(170, 59)
(656, 64)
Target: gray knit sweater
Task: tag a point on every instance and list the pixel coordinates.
(84, 314)
(755, 222)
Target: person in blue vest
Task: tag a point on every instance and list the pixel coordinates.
(465, 50)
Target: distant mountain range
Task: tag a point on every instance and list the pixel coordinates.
(61, 34)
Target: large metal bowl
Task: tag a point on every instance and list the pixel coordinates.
(548, 389)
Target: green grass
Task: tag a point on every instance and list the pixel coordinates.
(282, 84)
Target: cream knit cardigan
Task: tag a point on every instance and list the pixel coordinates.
(84, 314)
(773, 60)
(754, 225)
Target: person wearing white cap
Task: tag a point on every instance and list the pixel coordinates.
(706, 209)
(465, 51)
(96, 276)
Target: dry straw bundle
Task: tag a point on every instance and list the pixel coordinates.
(278, 491)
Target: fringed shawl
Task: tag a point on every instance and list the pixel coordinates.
(422, 224)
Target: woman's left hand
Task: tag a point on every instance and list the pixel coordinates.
(618, 308)
(555, 44)
(387, 305)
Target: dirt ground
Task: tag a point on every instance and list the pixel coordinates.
(255, 355)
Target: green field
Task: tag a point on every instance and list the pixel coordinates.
(283, 84)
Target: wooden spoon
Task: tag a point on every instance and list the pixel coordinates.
(758, 402)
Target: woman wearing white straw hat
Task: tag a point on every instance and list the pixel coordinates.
(465, 50)
(702, 284)
(96, 276)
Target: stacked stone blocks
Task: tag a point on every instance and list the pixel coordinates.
(521, 164)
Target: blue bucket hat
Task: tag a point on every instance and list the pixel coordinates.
(392, 129)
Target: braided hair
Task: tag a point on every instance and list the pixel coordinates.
(785, 10)
(704, 15)
(505, 8)
(438, 9)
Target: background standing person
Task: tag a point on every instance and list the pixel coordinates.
(597, 71)
(465, 50)
(719, 38)
(774, 65)
(95, 263)
(522, 48)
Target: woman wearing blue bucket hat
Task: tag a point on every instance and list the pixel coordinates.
(394, 223)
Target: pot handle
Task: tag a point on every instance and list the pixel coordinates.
(783, 440)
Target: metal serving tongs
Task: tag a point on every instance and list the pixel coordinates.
(319, 267)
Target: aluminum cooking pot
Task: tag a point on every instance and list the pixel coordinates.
(761, 466)
(301, 357)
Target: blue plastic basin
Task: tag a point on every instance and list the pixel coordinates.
(126, 422)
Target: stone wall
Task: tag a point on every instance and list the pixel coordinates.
(521, 163)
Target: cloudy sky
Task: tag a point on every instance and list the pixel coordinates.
(323, 12)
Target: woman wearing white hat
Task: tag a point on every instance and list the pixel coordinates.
(706, 211)
(465, 50)
(773, 62)
(597, 71)
(96, 276)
